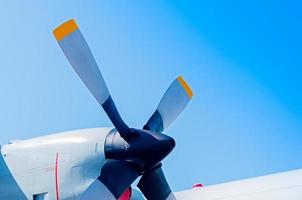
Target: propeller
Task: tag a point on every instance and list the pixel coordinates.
(170, 106)
(129, 152)
(81, 59)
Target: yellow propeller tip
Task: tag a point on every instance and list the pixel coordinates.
(185, 86)
(65, 29)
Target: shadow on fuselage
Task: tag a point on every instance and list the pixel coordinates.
(9, 188)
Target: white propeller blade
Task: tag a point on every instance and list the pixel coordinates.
(171, 105)
(81, 59)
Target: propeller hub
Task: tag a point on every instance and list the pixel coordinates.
(145, 149)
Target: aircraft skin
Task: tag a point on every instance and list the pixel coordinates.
(60, 165)
(66, 166)
(280, 186)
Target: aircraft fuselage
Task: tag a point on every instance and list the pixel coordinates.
(59, 166)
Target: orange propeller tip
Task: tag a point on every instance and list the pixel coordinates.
(65, 29)
(185, 86)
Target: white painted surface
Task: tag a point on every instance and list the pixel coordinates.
(81, 59)
(281, 186)
(32, 163)
(97, 191)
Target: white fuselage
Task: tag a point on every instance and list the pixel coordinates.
(61, 166)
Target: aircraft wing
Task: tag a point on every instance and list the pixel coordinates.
(281, 186)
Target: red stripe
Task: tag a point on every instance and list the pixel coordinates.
(56, 176)
(198, 185)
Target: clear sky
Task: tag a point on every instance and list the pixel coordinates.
(242, 59)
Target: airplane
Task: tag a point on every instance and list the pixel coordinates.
(102, 163)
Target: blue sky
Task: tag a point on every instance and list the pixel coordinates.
(242, 60)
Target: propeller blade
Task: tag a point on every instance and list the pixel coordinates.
(170, 106)
(154, 186)
(81, 59)
(117, 176)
